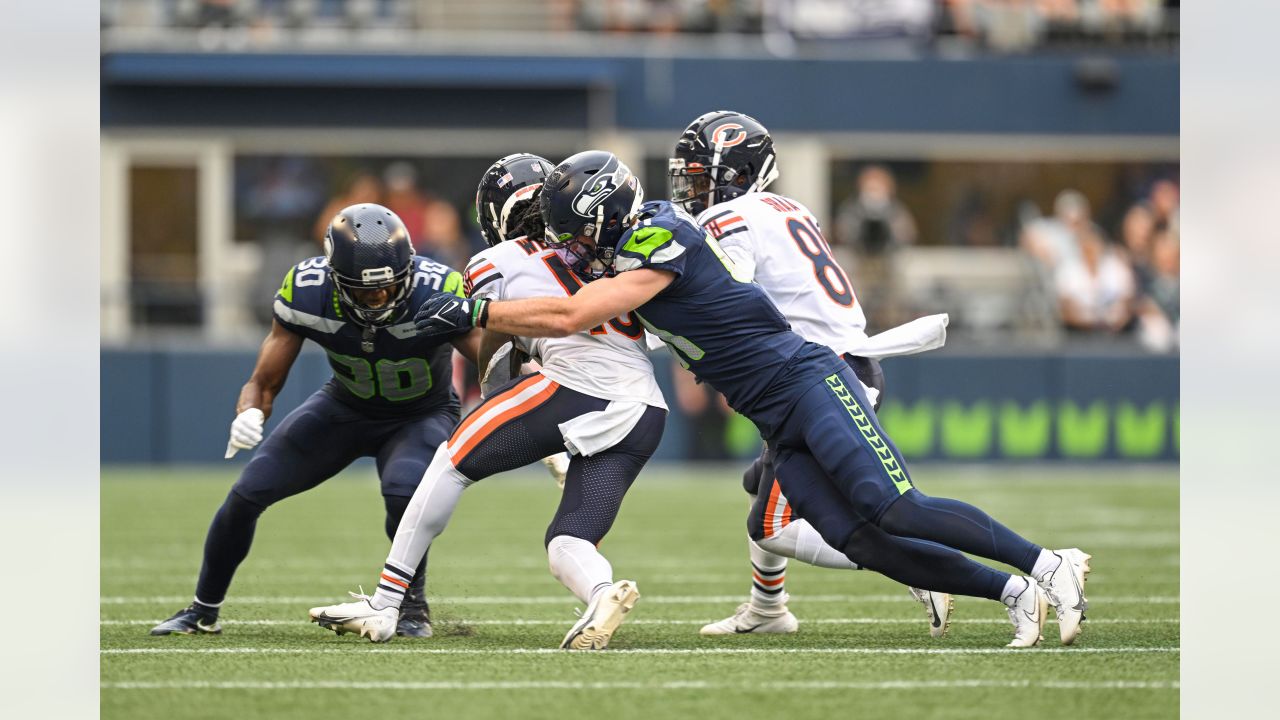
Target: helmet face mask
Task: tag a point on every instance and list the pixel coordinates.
(587, 203)
(507, 198)
(720, 156)
(368, 248)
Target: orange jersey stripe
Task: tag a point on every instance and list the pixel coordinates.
(475, 274)
(501, 419)
(475, 414)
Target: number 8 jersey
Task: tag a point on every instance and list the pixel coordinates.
(401, 374)
(776, 242)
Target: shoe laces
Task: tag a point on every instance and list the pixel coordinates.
(360, 595)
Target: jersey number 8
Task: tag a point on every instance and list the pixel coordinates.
(829, 275)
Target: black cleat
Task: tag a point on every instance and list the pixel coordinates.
(415, 620)
(189, 621)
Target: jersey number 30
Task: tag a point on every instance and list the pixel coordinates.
(829, 275)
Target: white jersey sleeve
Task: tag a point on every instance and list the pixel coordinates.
(608, 361)
(792, 261)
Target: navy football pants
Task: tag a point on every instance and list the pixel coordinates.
(312, 444)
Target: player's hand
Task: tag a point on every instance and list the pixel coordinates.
(444, 315)
(558, 465)
(246, 431)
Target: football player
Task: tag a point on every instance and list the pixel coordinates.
(838, 468)
(594, 395)
(391, 396)
(721, 167)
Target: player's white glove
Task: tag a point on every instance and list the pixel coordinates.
(558, 464)
(246, 431)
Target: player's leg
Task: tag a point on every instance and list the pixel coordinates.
(515, 426)
(402, 462)
(594, 488)
(816, 498)
(312, 444)
(858, 455)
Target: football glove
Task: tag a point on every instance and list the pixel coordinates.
(558, 465)
(246, 431)
(444, 315)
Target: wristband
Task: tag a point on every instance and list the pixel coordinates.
(480, 313)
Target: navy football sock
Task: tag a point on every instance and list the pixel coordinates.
(958, 525)
(922, 564)
(225, 547)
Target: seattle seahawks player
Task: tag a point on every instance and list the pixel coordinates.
(721, 167)
(838, 468)
(594, 394)
(391, 396)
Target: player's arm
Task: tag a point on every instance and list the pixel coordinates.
(491, 342)
(596, 303)
(469, 345)
(738, 247)
(275, 359)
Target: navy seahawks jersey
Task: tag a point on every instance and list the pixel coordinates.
(391, 372)
(716, 322)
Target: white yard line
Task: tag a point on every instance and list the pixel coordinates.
(361, 648)
(649, 621)
(675, 685)
(567, 600)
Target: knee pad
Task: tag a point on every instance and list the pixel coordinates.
(238, 508)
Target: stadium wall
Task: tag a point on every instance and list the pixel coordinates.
(173, 406)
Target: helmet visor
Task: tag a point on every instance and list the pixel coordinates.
(689, 181)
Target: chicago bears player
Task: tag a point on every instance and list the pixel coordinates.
(391, 396)
(594, 395)
(721, 167)
(838, 468)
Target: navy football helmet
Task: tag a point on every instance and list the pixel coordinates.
(587, 202)
(721, 155)
(506, 201)
(368, 248)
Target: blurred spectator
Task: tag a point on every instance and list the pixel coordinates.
(1158, 311)
(433, 224)
(873, 225)
(1056, 240)
(1096, 289)
(873, 221)
(362, 187)
(1163, 202)
(1136, 232)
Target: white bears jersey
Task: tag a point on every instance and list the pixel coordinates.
(777, 242)
(607, 361)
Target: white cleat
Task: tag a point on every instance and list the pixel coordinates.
(358, 617)
(747, 619)
(1065, 587)
(602, 618)
(938, 607)
(1028, 613)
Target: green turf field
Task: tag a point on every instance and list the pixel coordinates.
(863, 648)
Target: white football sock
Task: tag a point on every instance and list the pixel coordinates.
(1013, 588)
(428, 513)
(768, 578)
(579, 566)
(1047, 562)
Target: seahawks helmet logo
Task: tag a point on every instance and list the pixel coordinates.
(598, 188)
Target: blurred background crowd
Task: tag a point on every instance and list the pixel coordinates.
(1006, 25)
(1008, 162)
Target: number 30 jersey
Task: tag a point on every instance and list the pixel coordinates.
(776, 242)
(399, 374)
(607, 361)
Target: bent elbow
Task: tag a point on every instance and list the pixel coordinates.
(565, 325)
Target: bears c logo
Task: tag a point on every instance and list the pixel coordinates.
(728, 135)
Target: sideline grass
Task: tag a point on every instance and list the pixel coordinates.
(863, 646)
